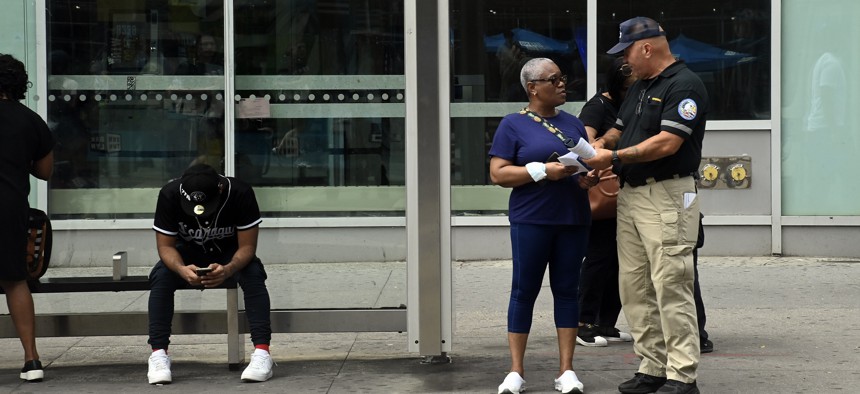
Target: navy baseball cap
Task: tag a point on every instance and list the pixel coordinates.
(635, 29)
(199, 190)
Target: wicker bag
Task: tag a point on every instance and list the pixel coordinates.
(38, 244)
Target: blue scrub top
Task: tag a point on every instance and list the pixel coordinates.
(521, 140)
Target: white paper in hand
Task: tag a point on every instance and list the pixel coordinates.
(570, 160)
(583, 149)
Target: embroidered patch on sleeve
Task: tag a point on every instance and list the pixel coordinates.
(687, 109)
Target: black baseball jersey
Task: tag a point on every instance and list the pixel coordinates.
(675, 101)
(215, 239)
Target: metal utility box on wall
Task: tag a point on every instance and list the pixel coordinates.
(733, 172)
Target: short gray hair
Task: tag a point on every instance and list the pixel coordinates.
(531, 70)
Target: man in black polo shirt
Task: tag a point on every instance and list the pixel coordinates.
(656, 147)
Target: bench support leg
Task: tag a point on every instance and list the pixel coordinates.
(235, 339)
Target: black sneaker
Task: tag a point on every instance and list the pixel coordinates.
(32, 371)
(613, 334)
(676, 387)
(642, 384)
(587, 336)
(707, 346)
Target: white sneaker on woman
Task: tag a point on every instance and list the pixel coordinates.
(513, 384)
(569, 383)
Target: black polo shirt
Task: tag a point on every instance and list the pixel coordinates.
(675, 101)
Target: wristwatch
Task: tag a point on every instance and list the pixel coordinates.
(615, 158)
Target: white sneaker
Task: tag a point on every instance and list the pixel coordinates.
(592, 341)
(624, 337)
(588, 335)
(569, 383)
(260, 367)
(513, 384)
(159, 368)
(613, 334)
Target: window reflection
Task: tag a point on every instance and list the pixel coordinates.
(493, 39)
(135, 95)
(136, 90)
(332, 76)
(818, 113)
(726, 42)
(308, 37)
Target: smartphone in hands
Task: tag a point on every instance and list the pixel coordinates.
(203, 271)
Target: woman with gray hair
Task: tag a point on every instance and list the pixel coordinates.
(549, 215)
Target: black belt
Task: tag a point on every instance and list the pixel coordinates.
(642, 182)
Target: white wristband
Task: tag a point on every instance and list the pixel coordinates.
(537, 170)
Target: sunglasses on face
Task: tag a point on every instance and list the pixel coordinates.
(552, 80)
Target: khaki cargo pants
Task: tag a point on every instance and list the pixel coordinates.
(658, 225)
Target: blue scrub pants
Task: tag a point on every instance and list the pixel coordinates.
(534, 246)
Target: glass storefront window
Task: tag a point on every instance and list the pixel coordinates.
(727, 43)
(135, 95)
(819, 98)
(490, 42)
(320, 121)
(136, 92)
(319, 132)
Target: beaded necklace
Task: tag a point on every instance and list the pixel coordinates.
(549, 126)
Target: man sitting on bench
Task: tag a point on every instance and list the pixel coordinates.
(206, 228)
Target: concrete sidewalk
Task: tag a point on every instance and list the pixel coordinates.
(779, 325)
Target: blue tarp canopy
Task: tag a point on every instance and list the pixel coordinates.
(702, 57)
(528, 40)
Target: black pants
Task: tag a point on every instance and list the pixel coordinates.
(164, 282)
(697, 295)
(599, 302)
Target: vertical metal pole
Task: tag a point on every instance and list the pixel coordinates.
(444, 82)
(229, 92)
(41, 56)
(427, 177)
(235, 339)
(591, 47)
(776, 128)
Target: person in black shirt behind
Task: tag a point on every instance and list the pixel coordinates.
(204, 220)
(599, 303)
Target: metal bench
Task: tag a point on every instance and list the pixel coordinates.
(131, 323)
